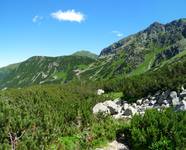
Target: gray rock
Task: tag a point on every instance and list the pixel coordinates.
(181, 106)
(165, 102)
(146, 101)
(183, 94)
(114, 109)
(139, 101)
(165, 105)
(152, 102)
(130, 111)
(173, 94)
(100, 108)
(174, 98)
(152, 98)
(134, 105)
(125, 106)
(163, 96)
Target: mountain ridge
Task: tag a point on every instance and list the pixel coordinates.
(148, 49)
(142, 51)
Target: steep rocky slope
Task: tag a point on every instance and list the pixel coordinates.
(142, 51)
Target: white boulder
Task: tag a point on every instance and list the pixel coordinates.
(125, 106)
(100, 92)
(139, 101)
(100, 108)
(174, 98)
(113, 107)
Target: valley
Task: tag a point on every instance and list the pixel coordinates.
(53, 103)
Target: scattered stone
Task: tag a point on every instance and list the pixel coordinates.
(134, 105)
(125, 106)
(163, 96)
(152, 102)
(183, 94)
(181, 106)
(100, 92)
(146, 102)
(139, 102)
(165, 105)
(174, 98)
(130, 111)
(120, 109)
(165, 102)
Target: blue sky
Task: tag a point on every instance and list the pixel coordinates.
(61, 27)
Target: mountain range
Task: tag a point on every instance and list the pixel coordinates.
(152, 48)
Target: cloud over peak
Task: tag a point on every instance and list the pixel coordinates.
(69, 15)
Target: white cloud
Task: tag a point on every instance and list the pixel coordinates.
(69, 15)
(36, 19)
(117, 33)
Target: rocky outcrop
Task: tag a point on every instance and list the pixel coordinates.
(120, 109)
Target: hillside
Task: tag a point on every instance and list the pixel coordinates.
(7, 70)
(40, 70)
(140, 52)
(85, 54)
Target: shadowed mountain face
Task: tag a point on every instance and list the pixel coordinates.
(142, 51)
(151, 48)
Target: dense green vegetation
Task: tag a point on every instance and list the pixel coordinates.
(40, 70)
(54, 116)
(171, 76)
(156, 130)
(85, 54)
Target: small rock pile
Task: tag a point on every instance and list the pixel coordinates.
(121, 109)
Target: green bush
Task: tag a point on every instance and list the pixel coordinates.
(156, 130)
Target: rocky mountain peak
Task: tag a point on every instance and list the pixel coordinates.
(156, 26)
